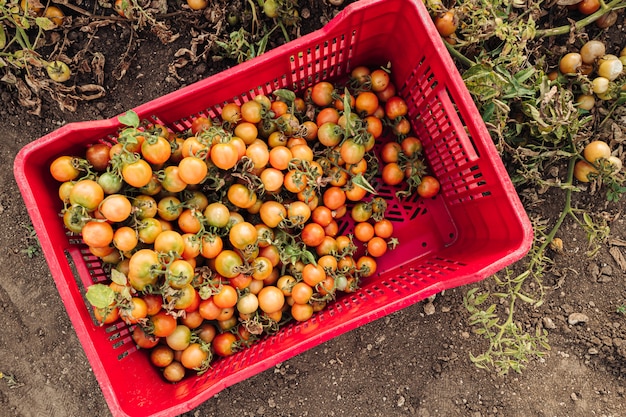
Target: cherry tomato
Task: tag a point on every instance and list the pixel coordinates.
(143, 339)
(98, 156)
(115, 208)
(383, 228)
(161, 356)
(301, 292)
(106, 315)
(271, 299)
(446, 23)
(86, 193)
(351, 151)
(97, 234)
(380, 80)
(195, 357)
(334, 197)
(224, 155)
(364, 231)
(192, 170)
(217, 214)
(584, 171)
(313, 234)
(174, 372)
(172, 180)
(242, 235)
(588, 7)
(206, 332)
(396, 107)
(180, 338)
(366, 103)
(58, 71)
(224, 344)
(156, 151)
(247, 303)
(241, 196)
(322, 94)
(570, 63)
(366, 265)
(392, 174)
(301, 312)
(429, 187)
(596, 150)
(390, 152)
(143, 269)
(162, 324)
(228, 263)
(137, 173)
(63, 168)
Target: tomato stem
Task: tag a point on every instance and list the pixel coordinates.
(562, 30)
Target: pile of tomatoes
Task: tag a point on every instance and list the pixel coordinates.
(602, 73)
(222, 233)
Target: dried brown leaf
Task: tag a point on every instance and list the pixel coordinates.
(26, 99)
(164, 34)
(615, 241)
(618, 257)
(90, 92)
(97, 66)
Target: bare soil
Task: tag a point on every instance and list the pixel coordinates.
(415, 362)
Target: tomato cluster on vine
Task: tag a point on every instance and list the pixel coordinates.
(222, 233)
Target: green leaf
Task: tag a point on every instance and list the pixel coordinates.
(488, 110)
(308, 257)
(44, 23)
(481, 298)
(118, 277)
(130, 118)
(100, 295)
(360, 181)
(286, 95)
(524, 74)
(493, 322)
(490, 309)
(525, 298)
(3, 36)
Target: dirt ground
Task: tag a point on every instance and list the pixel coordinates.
(415, 362)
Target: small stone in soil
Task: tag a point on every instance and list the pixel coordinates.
(576, 318)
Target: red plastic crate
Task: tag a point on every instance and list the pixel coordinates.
(474, 228)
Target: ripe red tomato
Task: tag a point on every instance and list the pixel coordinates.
(588, 7)
(162, 324)
(380, 80)
(396, 107)
(313, 234)
(195, 356)
(392, 174)
(143, 339)
(429, 187)
(224, 344)
(98, 156)
(322, 94)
